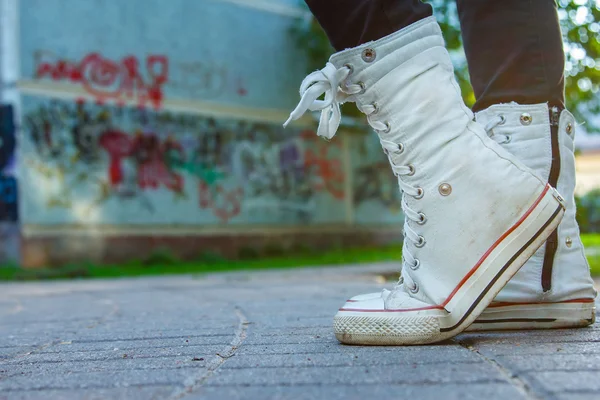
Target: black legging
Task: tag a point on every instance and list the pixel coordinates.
(514, 47)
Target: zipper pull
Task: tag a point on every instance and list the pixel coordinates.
(554, 116)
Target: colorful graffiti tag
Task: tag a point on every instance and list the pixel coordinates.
(237, 171)
(140, 80)
(107, 79)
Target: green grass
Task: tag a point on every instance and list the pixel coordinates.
(162, 263)
(591, 241)
(167, 265)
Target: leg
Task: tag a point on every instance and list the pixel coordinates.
(524, 64)
(369, 19)
(515, 51)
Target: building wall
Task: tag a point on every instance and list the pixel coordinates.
(151, 119)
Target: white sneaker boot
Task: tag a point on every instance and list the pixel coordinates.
(554, 288)
(474, 213)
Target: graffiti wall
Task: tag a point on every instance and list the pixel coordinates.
(86, 162)
(104, 140)
(375, 191)
(9, 209)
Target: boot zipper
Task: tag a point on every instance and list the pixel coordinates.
(552, 242)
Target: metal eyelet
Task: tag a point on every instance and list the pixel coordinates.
(569, 128)
(350, 67)
(376, 107)
(445, 189)
(368, 55)
(526, 119)
(388, 128)
(421, 242)
(416, 266)
(423, 219)
(400, 280)
(420, 193)
(569, 241)
(507, 139)
(412, 170)
(400, 148)
(363, 87)
(502, 120)
(415, 288)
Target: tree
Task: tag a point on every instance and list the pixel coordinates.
(581, 32)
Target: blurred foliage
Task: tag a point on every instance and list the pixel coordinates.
(581, 31)
(294, 257)
(588, 211)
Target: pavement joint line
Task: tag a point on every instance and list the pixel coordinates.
(372, 364)
(218, 360)
(513, 379)
(112, 369)
(182, 346)
(33, 350)
(329, 384)
(115, 369)
(12, 362)
(86, 387)
(146, 338)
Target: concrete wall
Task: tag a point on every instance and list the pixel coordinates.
(149, 119)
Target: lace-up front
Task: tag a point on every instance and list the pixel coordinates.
(489, 128)
(392, 149)
(334, 84)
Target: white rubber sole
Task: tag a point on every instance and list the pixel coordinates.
(519, 316)
(469, 299)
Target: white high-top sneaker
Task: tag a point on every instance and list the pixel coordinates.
(474, 213)
(554, 288)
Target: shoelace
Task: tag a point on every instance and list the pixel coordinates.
(492, 123)
(329, 81)
(391, 148)
(332, 82)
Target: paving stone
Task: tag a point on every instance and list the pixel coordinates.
(577, 396)
(488, 391)
(372, 374)
(548, 362)
(363, 358)
(565, 381)
(149, 392)
(94, 380)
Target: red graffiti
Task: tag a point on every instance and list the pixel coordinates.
(241, 89)
(106, 79)
(328, 169)
(225, 204)
(149, 155)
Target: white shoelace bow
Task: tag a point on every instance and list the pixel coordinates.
(330, 82)
(492, 123)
